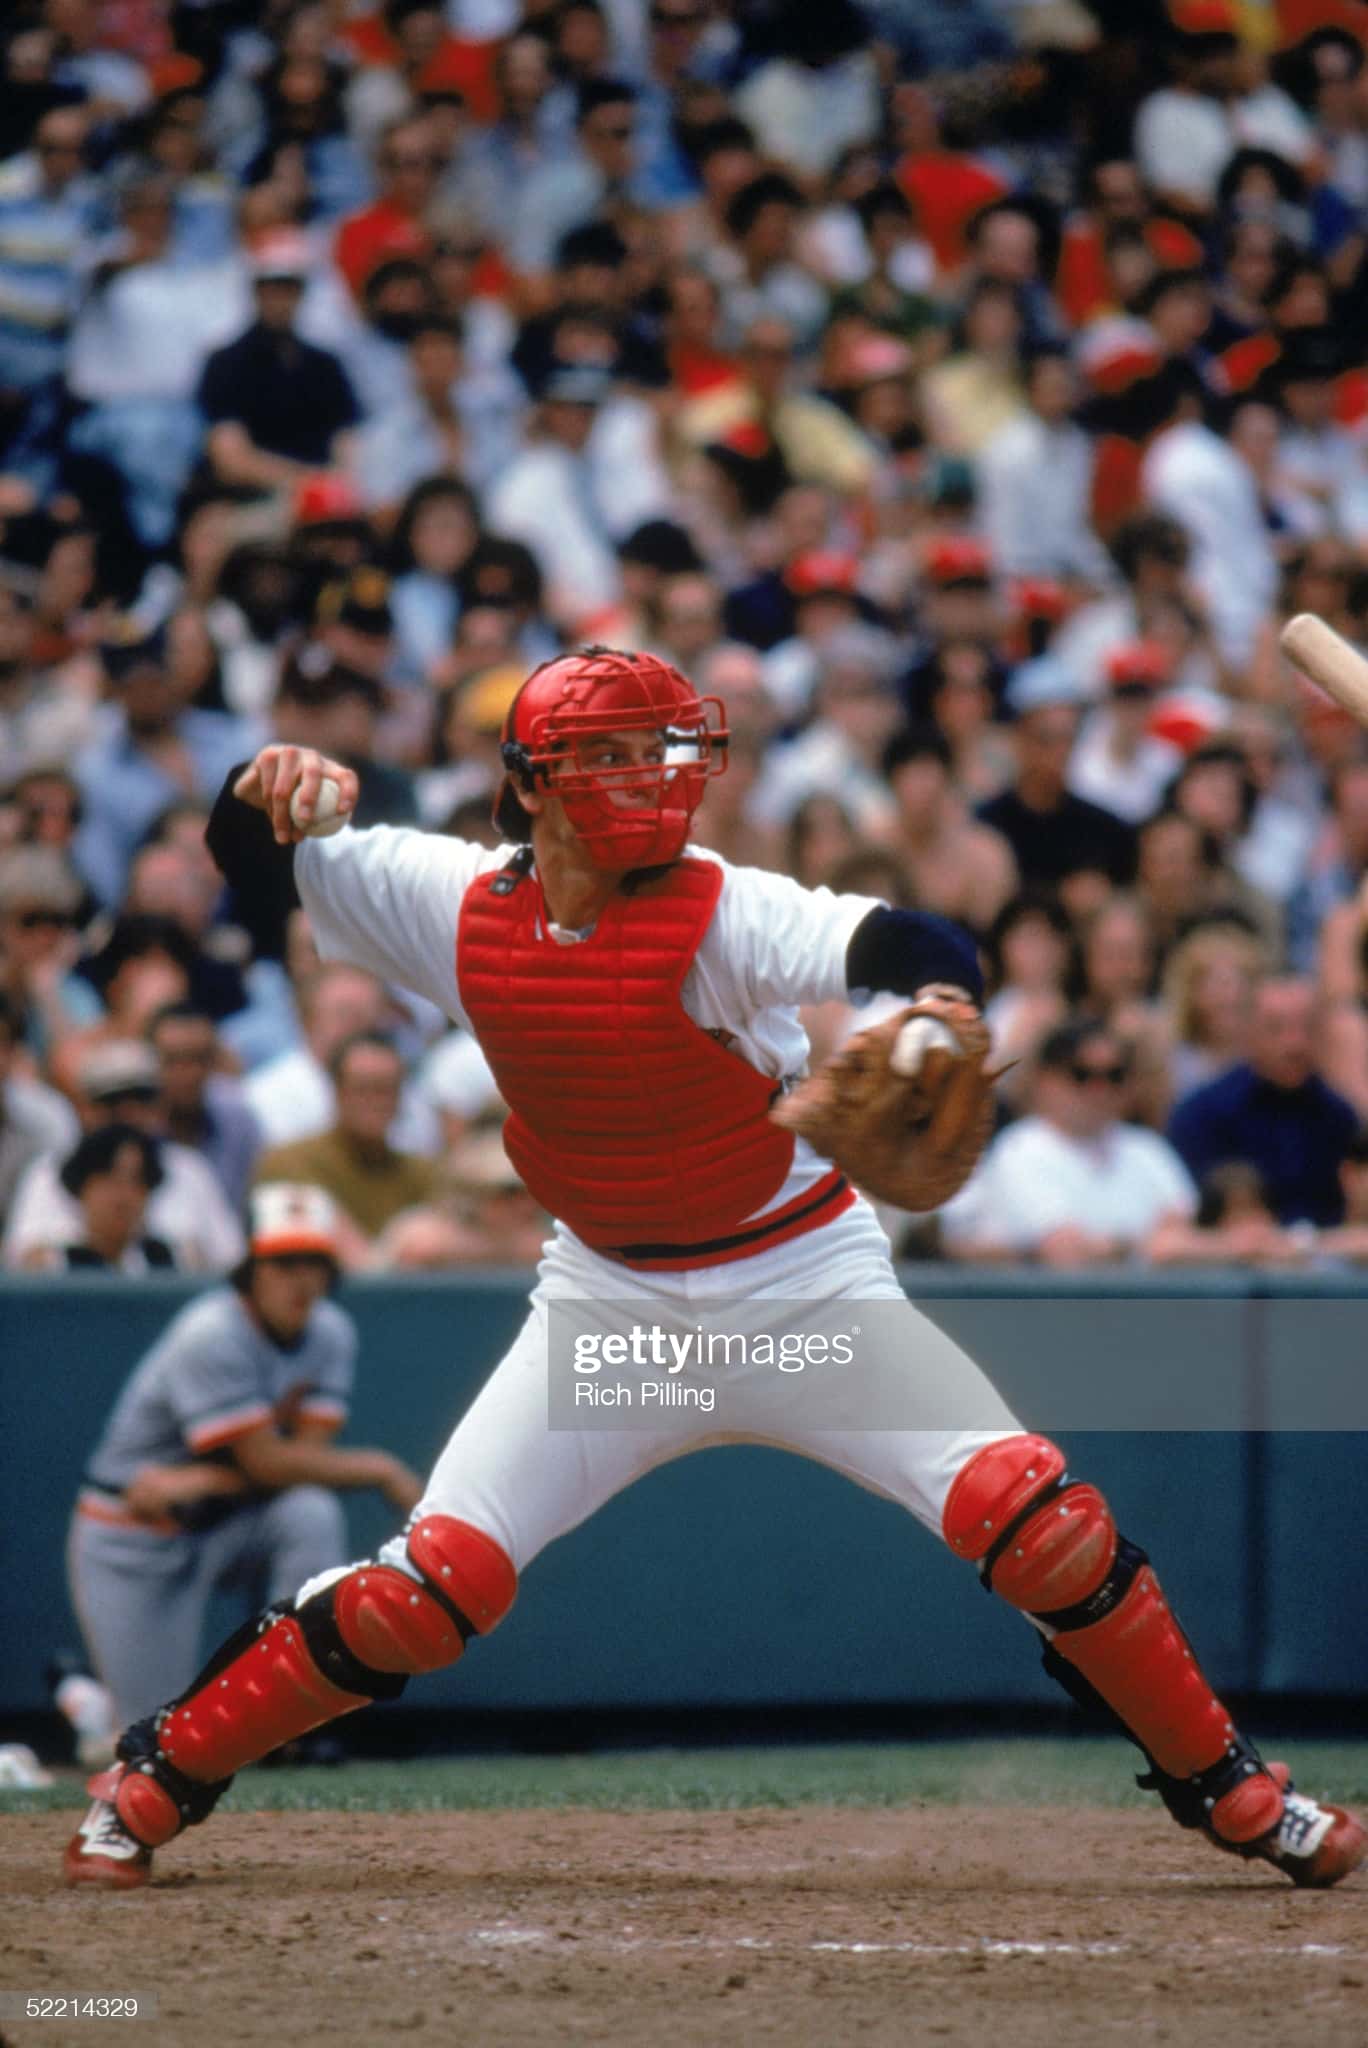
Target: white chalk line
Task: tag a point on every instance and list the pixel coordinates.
(506, 1936)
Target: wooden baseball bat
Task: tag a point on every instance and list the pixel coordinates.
(1328, 659)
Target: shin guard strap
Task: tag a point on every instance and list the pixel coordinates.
(1141, 1663)
(271, 1692)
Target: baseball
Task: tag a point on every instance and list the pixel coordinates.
(326, 818)
(918, 1037)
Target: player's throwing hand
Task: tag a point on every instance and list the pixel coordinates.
(284, 782)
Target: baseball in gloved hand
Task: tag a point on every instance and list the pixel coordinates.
(906, 1107)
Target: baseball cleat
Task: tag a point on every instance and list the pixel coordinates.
(1312, 1844)
(102, 1852)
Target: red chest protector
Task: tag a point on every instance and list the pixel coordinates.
(627, 1120)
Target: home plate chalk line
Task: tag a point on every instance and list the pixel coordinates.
(507, 1935)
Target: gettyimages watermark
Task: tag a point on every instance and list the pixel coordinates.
(781, 1369)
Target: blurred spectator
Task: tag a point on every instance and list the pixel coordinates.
(1234, 1224)
(150, 747)
(453, 425)
(957, 693)
(204, 1108)
(20, 1141)
(292, 1096)
(467, 763)
(353, 1160)
(407, 167)
(326, 702)
(120, 1083)
(276, 404)
(960, 868)
(1274, 1110)
(40, 720)
(1209, 985)
(978, 392)
(1030, 949)
(590, 474)
(1035, 480)
(483, 1216)
(1070, 1184)
(47, 210)
(109, 1177)
(857, 711)
(1052, 832)
(39, 947)
(1118, 763)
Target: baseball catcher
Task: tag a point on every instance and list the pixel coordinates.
(638, 1003)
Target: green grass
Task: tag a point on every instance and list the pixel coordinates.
(1080, 1772)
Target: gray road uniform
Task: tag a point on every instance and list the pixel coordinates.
(141, 1590)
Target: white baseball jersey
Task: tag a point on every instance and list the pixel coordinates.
(389, 899)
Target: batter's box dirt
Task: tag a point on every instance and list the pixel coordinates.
(960, 1927)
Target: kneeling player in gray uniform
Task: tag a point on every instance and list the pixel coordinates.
(216, 1466)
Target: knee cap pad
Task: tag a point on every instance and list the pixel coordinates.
(391, 1624)
(466, 1567)
(1041, 1542)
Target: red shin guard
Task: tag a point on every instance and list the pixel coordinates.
(1050, 1547)
(270, 1693)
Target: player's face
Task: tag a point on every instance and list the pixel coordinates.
(285, 1292)
(611, 756)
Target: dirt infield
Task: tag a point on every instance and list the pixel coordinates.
(960, 1927)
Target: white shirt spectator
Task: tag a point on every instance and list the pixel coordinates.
(805, 115)
(1190, 473)
(1034, 1180)
(1035, 495)
(1183, 140)
(1131, 789)
(147, 332)
(189, 1212)
(570, 509)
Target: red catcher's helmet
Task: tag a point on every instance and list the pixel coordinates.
(566, 705)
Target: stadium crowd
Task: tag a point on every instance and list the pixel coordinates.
(965, 394)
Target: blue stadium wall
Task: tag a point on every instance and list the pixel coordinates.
(747, 1578)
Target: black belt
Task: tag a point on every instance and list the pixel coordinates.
(707, 1246)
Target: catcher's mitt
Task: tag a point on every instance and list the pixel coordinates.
(906, 1107)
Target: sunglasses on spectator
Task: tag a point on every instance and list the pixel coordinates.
(34, 920)
(621, 131)
(59, 148)
(412, 161)
(114, 1097)
(1114, 1076)
(669, 17)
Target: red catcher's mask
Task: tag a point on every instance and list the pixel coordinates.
(629, 815)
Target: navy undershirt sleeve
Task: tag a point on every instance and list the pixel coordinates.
(899, 951)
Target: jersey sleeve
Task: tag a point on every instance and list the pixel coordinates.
(333, 1370)
(388, 899)
(211, 1385)
(785, 944)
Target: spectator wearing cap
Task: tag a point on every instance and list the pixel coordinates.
(216, 1467)
(331, 704)
(47, 213)
(958, 597)
(150, 748)
(1052, 832)
(353, 1161)
(1072, 1183)
(275, 404)
(1035, 480)
(821, 587)
(109, 1175)
(120, 1082)
(1274, 1109)
(958, 867)
(817, 441)
(1118, 763)
(40, 898)
(590, 473)
(451, 424)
